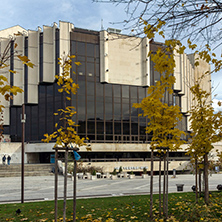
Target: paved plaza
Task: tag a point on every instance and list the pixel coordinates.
(42, 187)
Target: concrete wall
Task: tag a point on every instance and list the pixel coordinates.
(138, 165)
(12, 149)
(11, 31)
(124, 59)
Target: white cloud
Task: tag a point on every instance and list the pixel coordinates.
(216, 106)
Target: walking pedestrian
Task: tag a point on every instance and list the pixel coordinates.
(3, 159)
(8, 159)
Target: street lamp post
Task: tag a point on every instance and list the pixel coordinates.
(23, 117)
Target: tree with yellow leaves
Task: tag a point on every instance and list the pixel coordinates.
(7, 90)
(206, 55)
(206, 127)
(162, 118)
(65, 133)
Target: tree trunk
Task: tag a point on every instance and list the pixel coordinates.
(206, 191)
(196, 188)
(167, 181)
(56, 184)
(164, 184)
(65, 185)
(151, 185)
(200, 183)
(74, 191)
(160, 186)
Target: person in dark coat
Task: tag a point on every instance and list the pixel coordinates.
(3, 159)
(8, 159)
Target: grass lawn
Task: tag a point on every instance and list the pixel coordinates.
(182, 207)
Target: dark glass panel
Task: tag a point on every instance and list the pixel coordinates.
(134, 119)
(81, 127)
(124, 100)
(142, 119)
(6, 130)
(117, 109)
(109, 127)
(100, 137)
(91, 127)
(81, 59)
(108, 100)
(13, 121)
(125, 111)
(49, 90)
(99, 89)
(142, 126)
(18, 122)
(125, 91)
(99, 107)
(117, 128)
(90, 88)
(81, 108)
(100, 127)
(133, 101)
(90, 59)
(108, 90)
(97, 50)
(90, 110)
(90, 49)
(116, 90)
(82, 87)
(91, 137)
(99, 116)
(133, 91)
(134, 111)
(28, 123)
(117, 100)
(90, 98)
(108, 109)
(134, 129)
(126, 128)
(117, 118)
(73, 48)
(90, 70)
(97, 69)
(142, 93)
(109, 137)
(109, 117)
(81, 70)
(34, 123)
(80, 48)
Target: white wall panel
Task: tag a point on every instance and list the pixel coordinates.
(146, 71)
(33, 73)
(184, 98)
(64, 40)
(104, 57)
(48, 54)
(182, 92)
(123, 59)
(5, 72)
(177, 72)
(19, 68)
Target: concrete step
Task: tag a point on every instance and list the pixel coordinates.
(14, 170)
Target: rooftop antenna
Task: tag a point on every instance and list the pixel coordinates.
(102, 28)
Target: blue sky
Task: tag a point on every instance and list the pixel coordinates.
(82, 13)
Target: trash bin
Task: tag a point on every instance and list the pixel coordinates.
(179, 187)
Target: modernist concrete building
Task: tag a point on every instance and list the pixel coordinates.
(115, 72)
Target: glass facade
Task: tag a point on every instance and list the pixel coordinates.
(104, 111)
